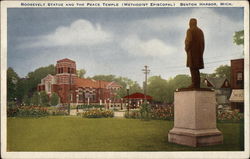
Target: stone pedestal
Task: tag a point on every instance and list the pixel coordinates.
(195, 119)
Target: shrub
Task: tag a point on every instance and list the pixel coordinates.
(134, 114)
(163, 113)
(54, 99)
(27, 111)
(96, 113)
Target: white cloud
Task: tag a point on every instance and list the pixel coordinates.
(153, 47)
(80, 32)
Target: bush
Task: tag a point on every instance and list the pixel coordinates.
(163, 113)
(27, 111)
(134, 114)
(96, 113)
(54, 99)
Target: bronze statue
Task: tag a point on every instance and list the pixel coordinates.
(194, 46)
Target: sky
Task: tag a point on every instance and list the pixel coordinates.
(119, 41)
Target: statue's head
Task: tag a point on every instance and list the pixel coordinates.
(192, 22)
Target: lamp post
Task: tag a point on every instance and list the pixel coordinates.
(128, 96)
(121, 103)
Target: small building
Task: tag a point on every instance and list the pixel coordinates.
(136, 99)
(222, 89)
(237, 84)
(75, 90)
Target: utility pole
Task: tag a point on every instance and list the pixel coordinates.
(146, 72)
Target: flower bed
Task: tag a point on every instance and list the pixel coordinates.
(27, 111)
(233, 115)
(164, 113)
(96, 113)
(159, 113)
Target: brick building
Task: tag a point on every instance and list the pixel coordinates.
(237, 84)
(72, 89)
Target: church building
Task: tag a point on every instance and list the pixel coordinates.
(72, 89)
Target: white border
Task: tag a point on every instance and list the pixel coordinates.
(177, 154)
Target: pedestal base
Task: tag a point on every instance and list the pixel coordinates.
(195, 119)
(195, 138)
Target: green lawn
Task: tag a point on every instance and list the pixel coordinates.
(67, 133)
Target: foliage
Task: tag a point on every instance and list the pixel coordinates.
(44, 98)
(223, 71)
(238, 37)
(28, 85)
(97, 113)
(157, 88)
(54, 99)
(145, 111)
(159, 113)
(27, 111)
(234, 115)
(35, 100)
(81, 73)
(26, 100)
(12, 80)
(163, 113)
(134, 114)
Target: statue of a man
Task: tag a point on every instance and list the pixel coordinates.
(194, 46)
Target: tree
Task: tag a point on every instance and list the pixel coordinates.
(81, 73)
(179, 81)
(238, 37)
(35, 100)
(223, 71)
(26, 100)
(44, 98)
(157, 88)
(54, 99)
(27, 86)
(12, 80)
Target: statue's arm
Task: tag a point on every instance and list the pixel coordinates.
(202, 42)
(188, 41)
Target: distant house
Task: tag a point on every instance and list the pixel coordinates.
(222, 88)
(237, 84)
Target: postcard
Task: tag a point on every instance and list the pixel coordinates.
(125, 79)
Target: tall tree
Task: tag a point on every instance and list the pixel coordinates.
(12, 80)
(157, 88)
(35, 100)
(44, 99)
(223, 71)
(81, 73)
(27, 86)
(54, 99)
(238, 37)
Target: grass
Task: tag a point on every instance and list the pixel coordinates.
(67, 133)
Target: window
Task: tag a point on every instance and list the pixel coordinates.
(239, 76)
(68, 70)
